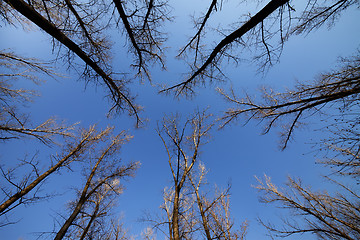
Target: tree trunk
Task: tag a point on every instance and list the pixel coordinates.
(38, 180)
(175, 217)
(61, 233)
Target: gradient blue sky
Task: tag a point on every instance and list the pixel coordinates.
(235, 154)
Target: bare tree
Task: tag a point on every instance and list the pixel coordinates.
(338, 89)
(334, 97)
(78, 147)
(117, 92)
(194, 42)
(177, 143)
(16, 191)
(341, 151)
(327, 216)
(215, 213)
(142, 20)
(14, 123)
(95, 221)
(80, 29)
(22, 182)
(189, 213)
(103, 175)
(264, 33)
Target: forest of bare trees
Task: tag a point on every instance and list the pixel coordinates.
(84, 36)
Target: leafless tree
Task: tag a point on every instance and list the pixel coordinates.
(21, 182)
(189, 213)
(14, 123)
(200, 25)
(327, 216)
(177, 142)
(17, 191)
(142, 20)
(214, 211)
(342, 152)
(335, 93)
(80, 29)
(103, 173)
(95, 221)
(334, 96)
(264, 33)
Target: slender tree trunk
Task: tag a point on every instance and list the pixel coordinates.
(38, 180)
(92, 219)
(85, 195)
(61, 233)
(203, 217)
(175, 217)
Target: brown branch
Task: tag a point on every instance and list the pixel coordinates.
(258, 18)
(202, 26)
(82, 24)
(38, 180)
(129, 31)
(149, 9)
(30, 13)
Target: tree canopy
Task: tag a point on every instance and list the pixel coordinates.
(118, 48)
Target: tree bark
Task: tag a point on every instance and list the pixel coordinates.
(175, 217)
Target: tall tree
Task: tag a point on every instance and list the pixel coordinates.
(79, 28)
(102, 183)
(14, 123)
(327, 216)
(177, 143)
(335, 94)
(17, 191)
(189, 212)
(264, 33)
(21, 183)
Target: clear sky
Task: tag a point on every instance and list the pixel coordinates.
(236, 153)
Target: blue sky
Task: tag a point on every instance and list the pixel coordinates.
(236, 153)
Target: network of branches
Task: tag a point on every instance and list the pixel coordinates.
(86, 34)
